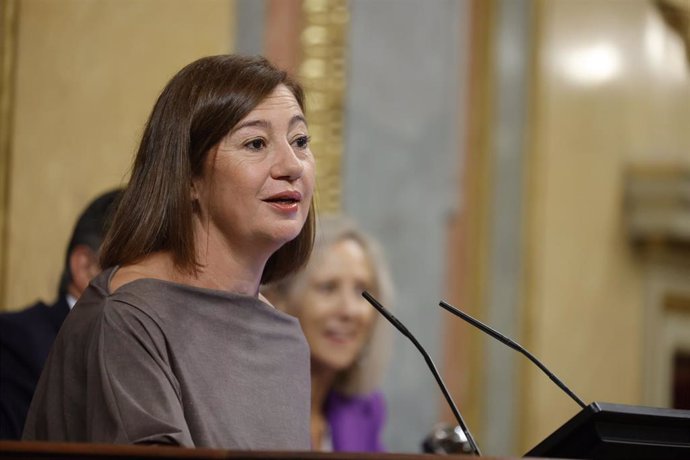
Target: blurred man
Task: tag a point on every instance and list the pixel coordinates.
(26, 336)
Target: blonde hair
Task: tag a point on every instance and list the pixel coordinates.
(365, 374)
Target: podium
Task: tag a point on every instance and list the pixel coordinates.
(600, 431)
(603, 431)
(22, 450)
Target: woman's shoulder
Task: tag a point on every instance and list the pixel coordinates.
(99, 314)
(102, 308)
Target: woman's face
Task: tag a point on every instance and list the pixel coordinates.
(256, 186)
(335, 318)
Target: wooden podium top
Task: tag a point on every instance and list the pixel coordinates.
(45, 450)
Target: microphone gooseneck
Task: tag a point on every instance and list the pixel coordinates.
(514, 345)
(399, 326)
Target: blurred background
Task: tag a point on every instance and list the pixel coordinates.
(526, 161)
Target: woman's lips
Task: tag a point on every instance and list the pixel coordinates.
(286, 207)
(339, 336)
(285, 202)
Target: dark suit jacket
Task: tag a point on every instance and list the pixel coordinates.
(25, 340)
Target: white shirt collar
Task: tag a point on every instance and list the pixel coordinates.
(71, 301)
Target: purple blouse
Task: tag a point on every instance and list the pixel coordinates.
(356, 422)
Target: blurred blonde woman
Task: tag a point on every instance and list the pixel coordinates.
(345, 335)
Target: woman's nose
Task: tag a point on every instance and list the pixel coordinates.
(352, 303)
(287, 164)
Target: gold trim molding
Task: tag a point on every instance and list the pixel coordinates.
(657, 206)
(323, 73)
(677, 302)
(8, 36)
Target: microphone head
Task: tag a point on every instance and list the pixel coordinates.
(446, 439)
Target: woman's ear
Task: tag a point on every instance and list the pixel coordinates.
(194, 196)
(194, 191)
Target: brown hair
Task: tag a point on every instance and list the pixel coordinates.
(196, 109)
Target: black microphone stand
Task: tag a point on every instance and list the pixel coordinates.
(398, 325)
(514, 345)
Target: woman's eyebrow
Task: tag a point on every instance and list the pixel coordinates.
(296, 119)
(252, 123)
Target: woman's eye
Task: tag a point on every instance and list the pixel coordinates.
(302, 142)
(255, 144)
(326, 287)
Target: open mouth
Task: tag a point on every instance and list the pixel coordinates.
(286, 202)
(340, 335)
(282, 200)
(285, 198)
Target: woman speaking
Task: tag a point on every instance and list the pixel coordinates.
(172, 343)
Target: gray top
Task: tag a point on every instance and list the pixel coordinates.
(161, 362)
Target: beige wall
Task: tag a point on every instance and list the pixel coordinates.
(88, 73)
(611, 86)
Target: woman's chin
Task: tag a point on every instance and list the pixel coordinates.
(335, 365)
(284, 236)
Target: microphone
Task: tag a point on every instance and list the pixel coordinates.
(399, 326)
(446, 439)
(514, 345)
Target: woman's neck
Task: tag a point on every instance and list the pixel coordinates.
(231, 276)
(228, 265)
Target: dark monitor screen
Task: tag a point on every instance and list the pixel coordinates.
(616, 431)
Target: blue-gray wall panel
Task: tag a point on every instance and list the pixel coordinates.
(400, 176)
